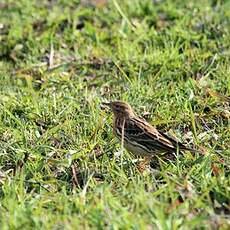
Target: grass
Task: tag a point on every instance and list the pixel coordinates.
(59, 60)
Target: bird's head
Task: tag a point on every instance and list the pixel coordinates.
(120, 108)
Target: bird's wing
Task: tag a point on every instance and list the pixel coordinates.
(139, 131)
(173, 141)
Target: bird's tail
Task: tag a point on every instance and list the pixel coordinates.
(184, 148)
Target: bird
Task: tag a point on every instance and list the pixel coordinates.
(139, 137)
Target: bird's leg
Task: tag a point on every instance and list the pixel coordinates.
(143, 164)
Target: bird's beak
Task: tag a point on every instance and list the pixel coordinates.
(105, 105)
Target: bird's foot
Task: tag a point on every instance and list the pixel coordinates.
(144, 164)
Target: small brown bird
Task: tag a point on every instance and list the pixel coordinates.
(138, 136)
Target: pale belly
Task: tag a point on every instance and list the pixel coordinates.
(137, 151)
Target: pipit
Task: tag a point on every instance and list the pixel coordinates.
(139, 137)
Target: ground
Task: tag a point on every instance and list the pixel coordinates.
(59, 166)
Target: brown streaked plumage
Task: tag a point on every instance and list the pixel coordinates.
(139, 137)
